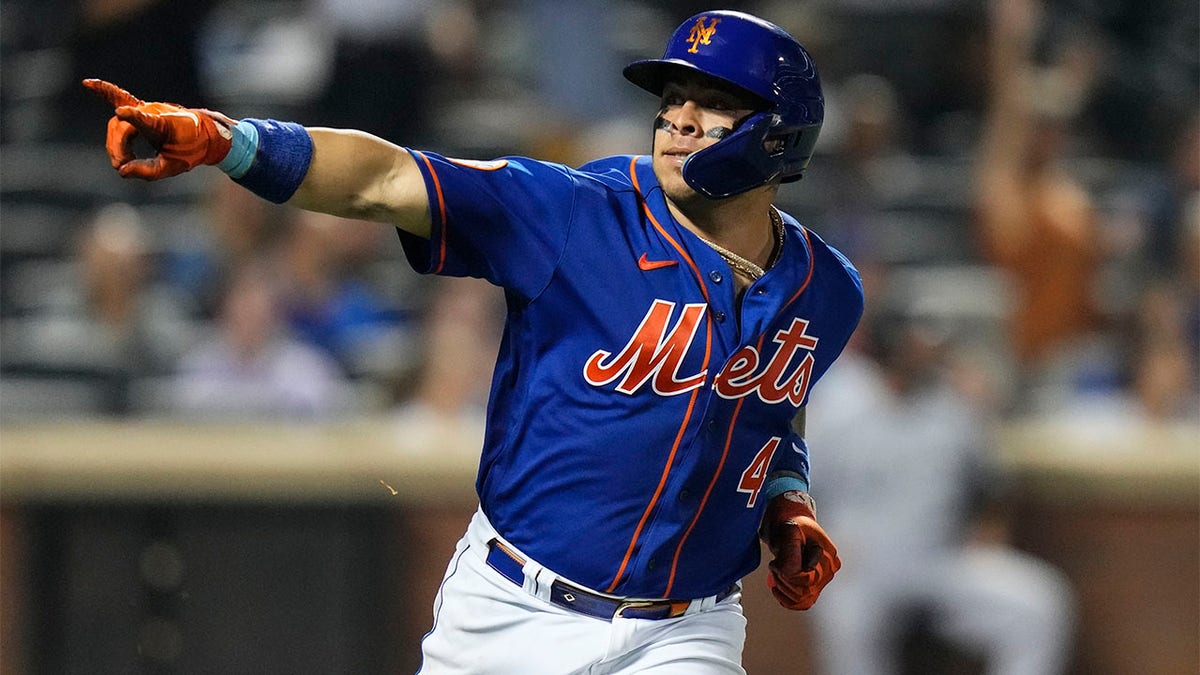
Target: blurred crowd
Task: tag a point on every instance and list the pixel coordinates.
(1017, 180)
(1028, 171)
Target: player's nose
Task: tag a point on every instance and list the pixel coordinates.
(686, 118)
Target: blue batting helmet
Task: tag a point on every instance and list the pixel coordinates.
(760, 58)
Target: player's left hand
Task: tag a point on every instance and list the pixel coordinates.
(184, 137)
(805, 557)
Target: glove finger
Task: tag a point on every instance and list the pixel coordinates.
(806, 581)
(787, 585)
(154, 168)
(814, 555)
(154, 126)
(793, 602)
(788, 594)
(110, 92)
(823, 558)
(834, 560)
(119, 140)
(789, 555)
(785, 537)
(818, 549)
(820, 575)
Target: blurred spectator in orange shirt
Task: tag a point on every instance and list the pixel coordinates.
(1035, 220)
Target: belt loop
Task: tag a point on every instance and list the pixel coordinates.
(701, 605)
(539, 581)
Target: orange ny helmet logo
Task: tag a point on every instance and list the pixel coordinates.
(701, 34)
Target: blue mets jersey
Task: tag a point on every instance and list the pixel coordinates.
(636, 407)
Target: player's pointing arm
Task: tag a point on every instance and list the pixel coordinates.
(345, 173)
(357, 175)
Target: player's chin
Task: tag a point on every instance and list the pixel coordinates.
(679, 192)
(686, 198)
(670, 177)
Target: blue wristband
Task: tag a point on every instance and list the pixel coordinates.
(284, 152)
(242, 151)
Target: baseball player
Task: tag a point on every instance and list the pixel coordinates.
(665, 324)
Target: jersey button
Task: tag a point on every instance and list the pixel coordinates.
(719, 316)
(715, 275)
(651, 564)
(684, 495)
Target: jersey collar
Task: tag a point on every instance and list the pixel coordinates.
(791, 275)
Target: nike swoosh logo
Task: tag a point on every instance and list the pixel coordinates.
(645, 264)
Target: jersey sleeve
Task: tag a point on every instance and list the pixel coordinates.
(790, 471)
(504, 220)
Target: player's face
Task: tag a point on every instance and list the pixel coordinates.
(695, 114)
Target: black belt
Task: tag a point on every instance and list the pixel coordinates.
(584, 601)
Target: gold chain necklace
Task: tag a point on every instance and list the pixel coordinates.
(747, 268)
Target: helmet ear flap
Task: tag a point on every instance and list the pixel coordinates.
(755, 154)
(732, 165)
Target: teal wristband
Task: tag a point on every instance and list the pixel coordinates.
(242, 152)
(778, 486)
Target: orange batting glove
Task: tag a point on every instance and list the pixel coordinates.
(184, 137)
(805, 558)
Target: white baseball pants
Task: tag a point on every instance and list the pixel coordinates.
(486, 624)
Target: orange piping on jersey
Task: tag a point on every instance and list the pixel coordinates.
(687, 416)
(711, 485)
(654, 221)
(662, 481)
(812, 265)
(437, 186)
